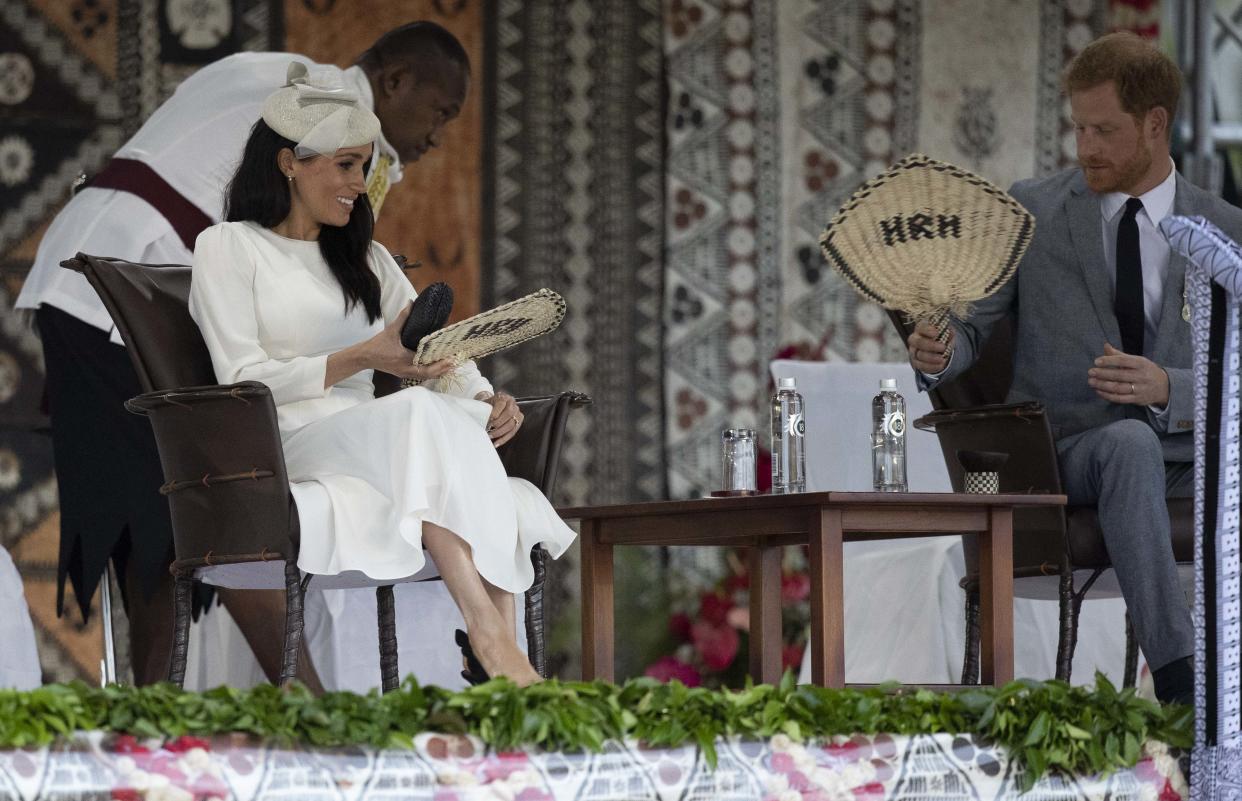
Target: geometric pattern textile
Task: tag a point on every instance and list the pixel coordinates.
(777, 112)
(76, 78)
(879, 767)
(573, 201)
(1212, 291)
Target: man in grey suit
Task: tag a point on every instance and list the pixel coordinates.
(1101, 331)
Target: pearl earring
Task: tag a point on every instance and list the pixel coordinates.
(290, 177)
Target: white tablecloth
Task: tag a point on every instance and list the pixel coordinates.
(19, 661)
(904, 610)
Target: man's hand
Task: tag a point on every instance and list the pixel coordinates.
(505, 419)
(1122, 378)
(926, 354)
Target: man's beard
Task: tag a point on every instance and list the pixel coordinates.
(1127, 174)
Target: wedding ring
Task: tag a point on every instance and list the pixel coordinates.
(516, 421)
(1131, 389)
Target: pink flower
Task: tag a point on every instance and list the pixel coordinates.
(128, 744)
(668, 668)
(716, 644)
(736, 581)
(679, 626)
(795, 587)
(738, 618)
(875, 790)
(502, 765)
(782, 763)
(185, 742)
(1168, 793)
(791, 656)
(714, 607)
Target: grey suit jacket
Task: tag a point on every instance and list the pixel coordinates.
(1062, 306)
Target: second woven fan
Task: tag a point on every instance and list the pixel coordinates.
(927, 238)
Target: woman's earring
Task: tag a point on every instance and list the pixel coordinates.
(290, 177)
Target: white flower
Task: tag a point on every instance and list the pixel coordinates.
(502, 790)
(802, 760)
(168, 792)
(853, 775)
(780, 742)
(456, 777)
(1147, 793)
(790, 795)
(196, 760)
(16, 159)
(776, 783)
(126, 765)
(139, 780)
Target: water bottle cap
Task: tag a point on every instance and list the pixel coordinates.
(888, 383)
(785, 383)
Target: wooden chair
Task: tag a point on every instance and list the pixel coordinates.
(970, 414)
(224, 465)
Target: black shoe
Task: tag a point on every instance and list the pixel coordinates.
(1175, 682)
(428, 314)
(474, 672)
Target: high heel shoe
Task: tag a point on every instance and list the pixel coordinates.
(474, 672)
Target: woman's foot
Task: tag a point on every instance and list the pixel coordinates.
(496, 655)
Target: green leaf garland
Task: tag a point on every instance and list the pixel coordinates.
(1047, 726)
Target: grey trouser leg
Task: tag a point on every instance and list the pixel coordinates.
(1120, 468)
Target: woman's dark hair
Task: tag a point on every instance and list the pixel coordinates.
(259, 193)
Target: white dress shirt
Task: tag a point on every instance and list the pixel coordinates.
(194, 142)
(1153, 248)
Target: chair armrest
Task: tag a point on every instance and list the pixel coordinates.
(1026, 412)
(534, 452)
(224, 471)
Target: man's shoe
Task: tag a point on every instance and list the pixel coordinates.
(1175, 682)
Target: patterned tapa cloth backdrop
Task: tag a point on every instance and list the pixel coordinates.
(76, 77)
(574, 202)
(777, 112)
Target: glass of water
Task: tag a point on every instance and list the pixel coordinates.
(739, 460)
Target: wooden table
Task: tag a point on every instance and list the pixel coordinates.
(822, 520)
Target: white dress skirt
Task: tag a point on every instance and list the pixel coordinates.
(366, 472)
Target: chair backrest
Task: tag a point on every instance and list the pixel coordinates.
(543, 428)
(150, 306)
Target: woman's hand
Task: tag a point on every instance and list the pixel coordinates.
(505, 419)
(390, 356)
(383, 352)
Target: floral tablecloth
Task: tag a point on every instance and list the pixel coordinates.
(458, 768)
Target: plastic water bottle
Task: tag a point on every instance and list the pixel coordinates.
(888, 438)
(788, 439)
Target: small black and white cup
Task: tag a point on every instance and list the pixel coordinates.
(981, 471)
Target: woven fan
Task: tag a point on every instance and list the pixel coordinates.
(928, 239)
(495, 329)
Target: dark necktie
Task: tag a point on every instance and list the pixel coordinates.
(1128, 300)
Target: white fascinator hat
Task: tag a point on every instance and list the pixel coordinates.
(319, 113)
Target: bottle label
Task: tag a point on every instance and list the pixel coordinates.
(797, 425)
(895, 424)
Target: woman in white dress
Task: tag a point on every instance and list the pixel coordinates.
(291, 291)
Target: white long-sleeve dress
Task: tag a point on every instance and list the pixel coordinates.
(366, 472)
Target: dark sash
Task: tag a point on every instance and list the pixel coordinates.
(137, 178)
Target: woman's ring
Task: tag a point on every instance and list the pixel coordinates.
(516, 421)
(1132, 389)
